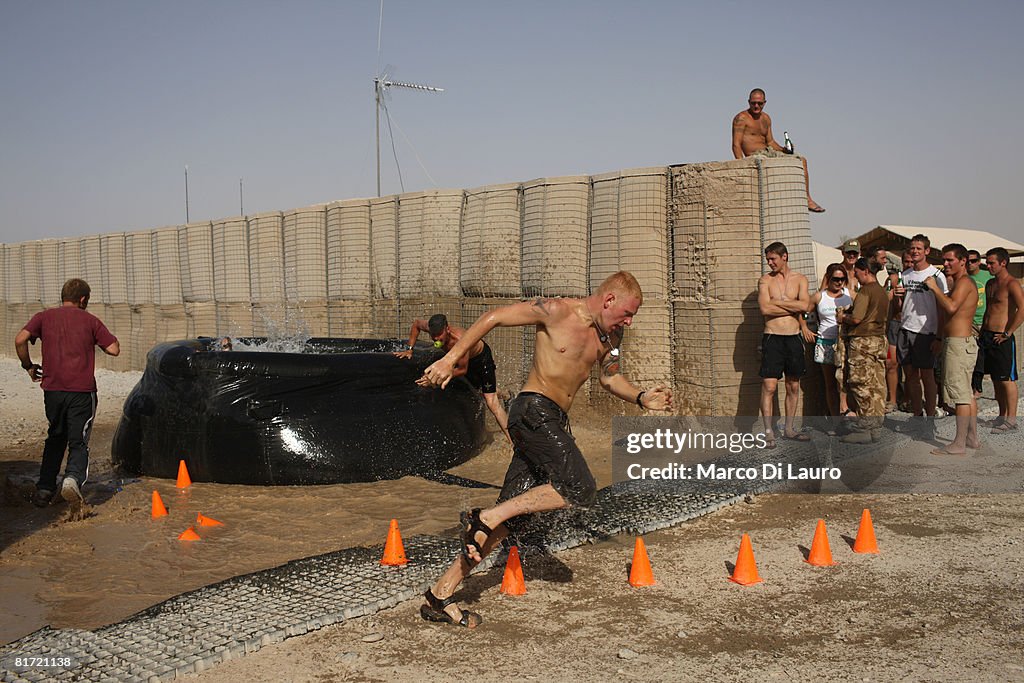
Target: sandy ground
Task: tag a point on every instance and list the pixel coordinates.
(943, 601)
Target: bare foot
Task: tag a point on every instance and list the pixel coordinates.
(946, 451)
(973, 443)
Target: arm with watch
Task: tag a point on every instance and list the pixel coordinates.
(21, 347)
(612, 381)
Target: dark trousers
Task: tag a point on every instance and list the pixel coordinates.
(70, 414)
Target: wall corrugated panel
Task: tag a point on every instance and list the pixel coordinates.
(384, 247)
(305, 254)
(786, 217)
(195, 252)
(14, 277)
(143, 335)
(201, 319)
(139, 259)
(490, 259)
(90, 262)
(352, 319)
(309, 318)
(234, 319)
(428, 243)
(231, 261)
(48, 270)
(555, 241)
(266, 257)
(166, 278)
(114, 264)
(348, 250)
(717, 252)
(30, 273)
(629, 228)
(69, 259)
(171, 324)
(118, 319)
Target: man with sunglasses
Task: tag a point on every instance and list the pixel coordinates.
(981, 278)
(752, 136)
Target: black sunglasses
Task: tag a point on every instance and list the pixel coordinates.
(974, 260)
(839, 279)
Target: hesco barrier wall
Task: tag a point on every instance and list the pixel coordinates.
(693, 235)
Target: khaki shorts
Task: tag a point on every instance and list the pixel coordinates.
(959, 354)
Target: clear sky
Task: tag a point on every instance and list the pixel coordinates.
(900, 106)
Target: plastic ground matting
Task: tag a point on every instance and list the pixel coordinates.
(196, 630)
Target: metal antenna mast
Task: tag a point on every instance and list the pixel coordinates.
(381, 84)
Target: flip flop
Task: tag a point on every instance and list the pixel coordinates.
(1004, 427)
(943, 451)
(434, 611)
(816, 209)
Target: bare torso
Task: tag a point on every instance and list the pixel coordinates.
(999, 305)
(455, 334)
(782, 287)
(566, 349)
(754, 131)
(960, 323)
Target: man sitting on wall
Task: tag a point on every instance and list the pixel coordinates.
(477, 365)
(752, 136)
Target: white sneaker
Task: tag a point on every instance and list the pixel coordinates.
(70, 492)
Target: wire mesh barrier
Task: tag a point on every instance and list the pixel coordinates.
(693, 235)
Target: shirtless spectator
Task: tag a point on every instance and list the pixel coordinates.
(1004, 314)
(918, 343)
(959, 347)
(783, 299)
(752, 136)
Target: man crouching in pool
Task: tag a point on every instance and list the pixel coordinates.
(548, 471)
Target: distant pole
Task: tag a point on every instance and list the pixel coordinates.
(186, 193)
(241, 205)
(376, 95)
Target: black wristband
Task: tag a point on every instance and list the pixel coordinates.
(639, 399)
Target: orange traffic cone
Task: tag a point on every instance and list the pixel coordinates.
(640, 573)
(745, 572)
(188, 534)
(203, 520)
(184, 481)
(394, 551)
(158, 509)
(821, 553)
(865, 541)
(513, 583)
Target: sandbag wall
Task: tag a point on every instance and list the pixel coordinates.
(693, 236)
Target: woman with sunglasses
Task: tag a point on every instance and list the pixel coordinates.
(824, 302)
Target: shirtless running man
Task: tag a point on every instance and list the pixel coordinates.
(1003, 316)
(477, 365)
(783, 299)
(959, 347)
(548, 471)
(752, 136)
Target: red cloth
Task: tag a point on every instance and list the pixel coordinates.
(69, 335)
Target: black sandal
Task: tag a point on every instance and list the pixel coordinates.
(434, 611)
(471, 526)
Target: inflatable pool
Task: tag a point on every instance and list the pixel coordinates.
(342, 410)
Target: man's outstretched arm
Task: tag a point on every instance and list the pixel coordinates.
(440, 372)
(418, 325)
(616, 384)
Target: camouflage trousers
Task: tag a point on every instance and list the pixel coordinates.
(866, 379)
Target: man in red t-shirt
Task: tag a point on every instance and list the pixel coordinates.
(69, 386)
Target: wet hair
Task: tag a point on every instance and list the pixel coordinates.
(1002, 256)
(776, 248)
(74, 289)
(755, 91)
(923, 239)
(436, 324)
(622, 282)
(959, 250)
